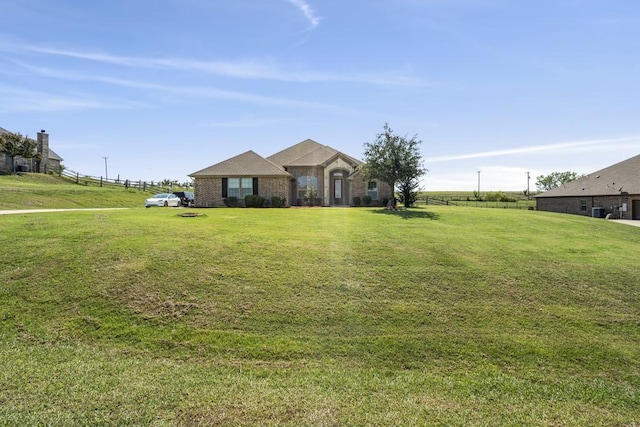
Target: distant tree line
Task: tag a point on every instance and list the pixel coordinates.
(555, 180)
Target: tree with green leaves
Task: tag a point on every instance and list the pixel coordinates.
(555, 179)
(14, 145)
(395, 160)
(408, 191)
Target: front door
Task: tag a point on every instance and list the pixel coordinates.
(339, 196)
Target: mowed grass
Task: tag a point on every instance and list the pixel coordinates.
(39, 191)
(441, 316)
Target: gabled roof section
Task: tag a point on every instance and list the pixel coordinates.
(245, 164)
(316, 157)
(54, 156)
(309, 153)
(351, 160)
(287, 156)
(623, 177)
(3, 130)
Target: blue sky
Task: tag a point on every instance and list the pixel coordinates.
(164, 88)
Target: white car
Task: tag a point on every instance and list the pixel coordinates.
(163, 199)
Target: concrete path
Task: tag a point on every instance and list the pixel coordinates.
(24, 211)
(627, 221)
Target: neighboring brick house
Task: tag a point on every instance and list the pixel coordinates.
(614, 190)
(333, 177)
(49, 160)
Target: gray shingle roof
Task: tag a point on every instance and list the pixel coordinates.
(289, 155)
(54, 156)
(305, 153)
(313, 158)
(621, 177)
(308, 153)
(245, 164)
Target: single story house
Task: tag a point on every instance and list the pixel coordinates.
(307, 169)
(613, 190)
(49, 161)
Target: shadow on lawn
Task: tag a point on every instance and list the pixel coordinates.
(408, 214)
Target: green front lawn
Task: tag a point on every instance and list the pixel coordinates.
(439, 316)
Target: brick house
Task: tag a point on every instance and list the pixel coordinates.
(613, 190)
(49, 160)
(307, 168)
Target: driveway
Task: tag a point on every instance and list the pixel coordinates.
(24, 211)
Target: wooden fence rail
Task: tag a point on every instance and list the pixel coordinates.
(518, 204)
(143, 186)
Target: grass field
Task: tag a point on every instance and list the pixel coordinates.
(39, 191)
(444, 316)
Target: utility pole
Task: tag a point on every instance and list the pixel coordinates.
(478, 183)
(106, 170)
(528, 193)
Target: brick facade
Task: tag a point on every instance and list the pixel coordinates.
(208, 191)
(584, 205)
(294, 198)
(360, 189)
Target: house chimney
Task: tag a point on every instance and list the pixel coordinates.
(43, 152)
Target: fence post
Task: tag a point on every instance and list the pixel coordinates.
(101, 182)
(144, 186)
(77, 177)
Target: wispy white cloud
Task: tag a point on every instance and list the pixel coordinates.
(191, 91)
(307, 11)
(20, 101)
(596, 144)
(246, 69)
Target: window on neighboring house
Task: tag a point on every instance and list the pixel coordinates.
(239, 187)
(583, 205)
(372, 190)
(306, 182)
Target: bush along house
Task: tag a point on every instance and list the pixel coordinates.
(305, 174)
